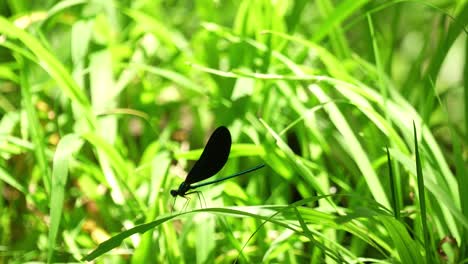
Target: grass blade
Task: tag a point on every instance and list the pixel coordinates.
(65, 149)
(422, 199)
(393, 189)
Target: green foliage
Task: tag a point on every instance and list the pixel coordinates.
(357, 108)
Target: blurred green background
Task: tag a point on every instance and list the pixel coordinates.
(105, 105)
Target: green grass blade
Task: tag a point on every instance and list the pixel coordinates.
(35, 128)
(460, 164)
(8, 178)
(393, 189)
(65, 149)
(51, 65)
(117, 240)
(337, 37)
(422, 200)
(407, 248)
(114, 160)
(339, 14)
(353, 147)
(160, 169)
(465, 89)
(295, 162)
(143, 82)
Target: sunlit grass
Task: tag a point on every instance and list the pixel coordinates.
(357, 109)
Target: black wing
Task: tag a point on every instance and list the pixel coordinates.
(213, 158)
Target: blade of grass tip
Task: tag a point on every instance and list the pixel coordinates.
(65, 148)
(422, 199)
(396, 205)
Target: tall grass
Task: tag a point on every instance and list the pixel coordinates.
(358, 109)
